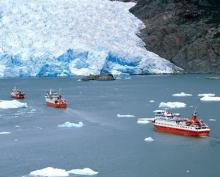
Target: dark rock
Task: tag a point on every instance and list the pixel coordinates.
(100, 77)
(186, 32)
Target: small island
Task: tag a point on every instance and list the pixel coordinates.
(99, 77)
(213, 78)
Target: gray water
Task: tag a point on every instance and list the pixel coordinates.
(113, 146)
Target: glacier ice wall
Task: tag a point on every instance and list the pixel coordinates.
(73, 37)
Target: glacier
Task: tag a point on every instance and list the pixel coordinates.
(73, 37)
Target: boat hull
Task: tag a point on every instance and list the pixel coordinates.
(55, 105)
(17, 96)
(184, 132)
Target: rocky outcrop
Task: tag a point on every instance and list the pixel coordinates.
(186, 32)
(100, 77)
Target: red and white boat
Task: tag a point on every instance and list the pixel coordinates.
(17, 94)
(181, 126)
(55, 100)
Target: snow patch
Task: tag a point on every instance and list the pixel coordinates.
(206, 94)
(84, 171)
(71, 125)
(11, 104)
(149, 139)
(210, 98)
(5, 133)
(125, 115)
(50, 172)
(181, 94)
(172, 105)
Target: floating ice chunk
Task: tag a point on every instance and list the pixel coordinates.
(187, 171)
(210, 98)
(158, 110)
(181, 94)
(206, 94)
(144, 120)
(172, 105)
(10, 104)
(31, 111)
(5, 133)
(70, 125)
(212, 120)
(149, 139)
(84, 171)
(50, 172)
(151, 101)
(125, 115)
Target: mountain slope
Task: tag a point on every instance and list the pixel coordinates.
(186, 32)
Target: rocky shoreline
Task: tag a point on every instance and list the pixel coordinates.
(185, 32)
(99, 77)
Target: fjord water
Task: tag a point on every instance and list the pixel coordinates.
(113, 146)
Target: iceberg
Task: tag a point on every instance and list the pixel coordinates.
(5, 133)
(125, 115)
(12, 104)
(206, 94)
(149, 139)
(56, 172)
(84, 171)
(50, 172)
(210, 98)
(212, 120)
(181, 94)
(144, 120)
(70, 125)
(172, 105)
(71, 37)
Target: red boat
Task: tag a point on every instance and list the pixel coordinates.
(182, 126)
(17, 94)
(55, 100)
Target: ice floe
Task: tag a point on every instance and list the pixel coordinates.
(5, 133)
(84, 171)
(181, 94)
(187, 171)
(149, 139)
(210, 98)
(50, 172)
(11, 104)
(206, 94)
(56, 172)
(212, 120)
(151, 101)
(125, 115)
(144, 120)
(70, 125)
(172, 105)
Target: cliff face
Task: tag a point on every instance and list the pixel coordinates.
(186, 32)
